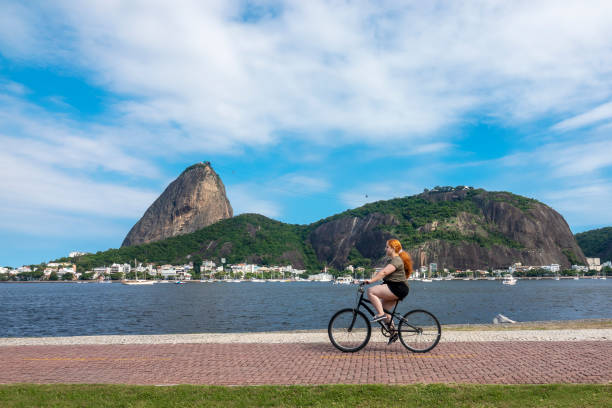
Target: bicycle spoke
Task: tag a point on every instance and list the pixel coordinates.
(419, 331)
(349, 330)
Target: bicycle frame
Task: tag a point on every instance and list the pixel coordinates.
(363, 303)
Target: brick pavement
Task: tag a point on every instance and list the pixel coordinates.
(315, 363)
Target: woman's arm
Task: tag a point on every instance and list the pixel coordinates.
(382, 273)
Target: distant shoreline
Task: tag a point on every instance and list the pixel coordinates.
(594, 277)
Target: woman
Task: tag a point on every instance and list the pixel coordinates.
(395, 286)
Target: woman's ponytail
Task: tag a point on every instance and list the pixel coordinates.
(397, 247)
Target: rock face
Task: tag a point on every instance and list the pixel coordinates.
(532, 233)
(334, 240)
(193, 201)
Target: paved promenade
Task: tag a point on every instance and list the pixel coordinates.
(577, 356)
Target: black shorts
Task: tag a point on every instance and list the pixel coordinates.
(399, 289)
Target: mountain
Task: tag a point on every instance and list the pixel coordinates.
(596, 243)
(457, 227)
(196, 199)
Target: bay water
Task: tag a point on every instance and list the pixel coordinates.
(75, 309)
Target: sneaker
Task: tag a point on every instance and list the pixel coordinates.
(393, 338)
(378, 318)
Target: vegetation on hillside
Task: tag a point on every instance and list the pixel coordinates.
(255, 237)
(236, 239)
(596, 243)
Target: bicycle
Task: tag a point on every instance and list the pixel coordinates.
(349, 329)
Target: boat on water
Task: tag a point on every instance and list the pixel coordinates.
(343, 280)
(426, 280)
(509, 280)
(138, 282)
(179, 283)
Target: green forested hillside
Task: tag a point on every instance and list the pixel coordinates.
(414, 212)
(237, 239)
(596, 243)
(255, 238)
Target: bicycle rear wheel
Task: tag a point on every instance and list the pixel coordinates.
(349, 330)
(419, 331)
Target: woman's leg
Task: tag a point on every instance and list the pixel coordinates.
(380, 294)
(389, 304)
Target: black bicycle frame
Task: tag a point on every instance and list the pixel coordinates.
(362, 302)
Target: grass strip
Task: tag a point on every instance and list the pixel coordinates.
(432, 395)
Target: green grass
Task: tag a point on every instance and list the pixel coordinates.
(434, 395)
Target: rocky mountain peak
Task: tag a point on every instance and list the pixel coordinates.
(193, 201)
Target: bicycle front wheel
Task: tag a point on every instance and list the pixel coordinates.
(419, 331)
(349, 330)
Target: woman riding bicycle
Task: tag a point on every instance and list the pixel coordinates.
(395, 286)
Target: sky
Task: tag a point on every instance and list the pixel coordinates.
(304, 108)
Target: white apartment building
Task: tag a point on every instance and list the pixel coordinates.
(322, 277)
(101, 271)
(65, 270)
(167, 271)
(552, 267)
(118, 268)
(594, 264)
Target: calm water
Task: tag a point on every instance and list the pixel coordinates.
(44, 309)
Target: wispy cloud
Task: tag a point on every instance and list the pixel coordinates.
(385, 189)
(30, 132)
(28, 184)
(295, 183)
(583, 204)
(593, 116)
(246, 198)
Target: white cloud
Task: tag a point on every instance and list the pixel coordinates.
(598, 114)
(565, 159)
(246, 198)
(363, 69)
(295, 183)
(44, 222)
(583, 204)
(572, 177)
(30, 132)
(264, 197)
(30, 185)
(385, 189)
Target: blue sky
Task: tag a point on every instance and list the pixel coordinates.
(303, 108)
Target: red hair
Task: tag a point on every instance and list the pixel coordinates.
(397, 247)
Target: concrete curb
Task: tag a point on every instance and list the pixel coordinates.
(315, 336)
